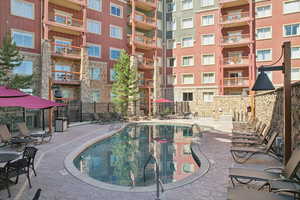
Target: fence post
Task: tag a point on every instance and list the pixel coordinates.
(80, 109)
(107, 107)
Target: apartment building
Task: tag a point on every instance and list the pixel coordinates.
(215, 46)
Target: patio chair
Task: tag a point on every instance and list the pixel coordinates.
(14, 170)
(247, 175)
(249, 126)
(258, 131)
(34, 136)
(247, 194)
(29, 153)
(8, 139)
(242, 154)
(260, 140)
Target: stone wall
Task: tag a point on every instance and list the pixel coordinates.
(45, 71)
(269, 109)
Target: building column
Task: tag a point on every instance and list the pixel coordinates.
(84, 76)
(46, 68)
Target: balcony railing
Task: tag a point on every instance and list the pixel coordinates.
(145, 4)
(232, 1)
(146, 83)
(65, 20)
(140, 17)
(66, 77)
(235, 17)
(236, 82)
(66, 50)
(143, 41)
(236, 60)
(235, 39)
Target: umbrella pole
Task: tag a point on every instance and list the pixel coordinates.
(24, 115)
(43, 119)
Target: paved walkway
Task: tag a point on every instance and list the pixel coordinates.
(58, 184)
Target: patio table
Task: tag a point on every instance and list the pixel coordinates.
(8, 156)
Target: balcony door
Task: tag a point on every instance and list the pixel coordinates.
(234, 15)
(62, 17)
(62, 46)
(61, 72)
(234, 36)
(235, 78)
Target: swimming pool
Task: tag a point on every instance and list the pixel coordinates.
(128, 157)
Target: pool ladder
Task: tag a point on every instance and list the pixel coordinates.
(159, 185)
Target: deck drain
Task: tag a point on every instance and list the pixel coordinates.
(63, 172)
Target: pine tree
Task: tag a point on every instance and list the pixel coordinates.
(125, 87)
(9, 59)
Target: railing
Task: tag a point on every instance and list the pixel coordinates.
(236, 39)
(146, 82)
(148, 61)
(236, 60)
(66, 50)
(147, 1)
(65, 76)
(227, 1)
(140, 38)
(236, 81)
(235, 17)
(140, 17)
(65, 20)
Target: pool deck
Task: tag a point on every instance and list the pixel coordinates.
(58, 184)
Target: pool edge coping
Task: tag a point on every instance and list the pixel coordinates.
(195, 147)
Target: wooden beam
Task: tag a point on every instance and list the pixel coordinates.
(287, 102)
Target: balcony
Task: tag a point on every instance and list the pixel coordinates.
(146, 83)
(236, 82)
(66, 51)
(232, 3)
(146, 5)
(143, 22)
(233, 20)
(72, 4)
(65, 77)
(235, 40)
(235, 61)
(146, 64)
(142, 42)
(65, 24)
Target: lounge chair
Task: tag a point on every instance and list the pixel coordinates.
(247, 194)
(8, 139)
(252, 134)
(249, 126)
(242, 154)
(246, 175)
(34, 136)
(260, 140)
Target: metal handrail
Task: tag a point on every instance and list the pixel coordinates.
(158, 181)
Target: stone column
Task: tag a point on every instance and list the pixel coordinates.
(84, 76)
(134, 108)
(156, 85)
(46, 68)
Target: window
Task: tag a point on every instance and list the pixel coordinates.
(188, 79)
(95, 74)
(208, 39)
(187, 60)
(116, 32)
(95, 4)
(171, 62)
(207, 20)
(187, 96)
(171, 44)
(95, 96)
(94, 26)
(208, 78)
(23, 39)
(208, 59)
(263, 33)
(116, 10)
(22, 8)
(292, 30)
(295, 74)
(205, 3)
(114, 54)
(187, 4)
(208, 96)
(62, 46)
(60, 75)
(295, 52)
(94, 50)
(171, 7)
(24, 69)
(187, 23)
(264, 55)
(187, 42)
(171, 25)
(291, 6)
(112, 75)
(264, 11)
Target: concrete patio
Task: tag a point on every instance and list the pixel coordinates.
(58, 184)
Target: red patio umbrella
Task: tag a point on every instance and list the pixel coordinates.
(16, 98)
(162, 100)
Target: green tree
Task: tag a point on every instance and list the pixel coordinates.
(9, 59)
(125, 88)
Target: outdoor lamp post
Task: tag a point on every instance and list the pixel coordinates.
(263, 83)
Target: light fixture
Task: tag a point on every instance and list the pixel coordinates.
(262, 82)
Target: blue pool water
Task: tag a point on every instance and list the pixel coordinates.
(121, 159)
